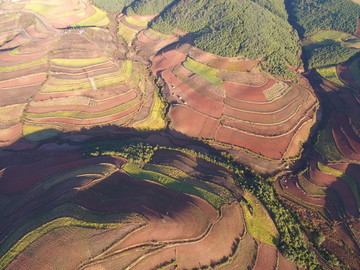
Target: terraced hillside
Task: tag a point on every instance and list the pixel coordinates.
(161, 134)
(66, 78)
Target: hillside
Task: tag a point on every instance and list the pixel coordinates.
(179, 134)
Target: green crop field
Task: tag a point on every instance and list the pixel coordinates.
(355, 70)
(100, 18)
(348, 179)
(258, 221)
(79, 62)
(326, 145)
(208, 73)
(42, 230)
(85, 115)
(330, 73)
(39, 7)
(127, 33)
(135, 171)
(132, 21)
(155, 120)
(38, 133)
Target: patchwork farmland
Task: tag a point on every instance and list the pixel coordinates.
(123, 145)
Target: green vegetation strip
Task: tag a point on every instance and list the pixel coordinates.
(39, 8)
(32, 236)
(38, 133)
(351, 182)
(156, 119)
(355, 70)
(137, 172)
(258, 222)
(208, 73)
(85, 115)
(79, 62)
(330, 73)
(326, 145)
(100, 18)
(132, 21)
(24, 65)
(292, 241)
(181, 176)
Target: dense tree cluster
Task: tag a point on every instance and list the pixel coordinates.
(330, 54)
(147, 7)
(314, 15)
(111, 5)
(232, 28)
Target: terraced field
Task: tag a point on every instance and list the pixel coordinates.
(235, 104)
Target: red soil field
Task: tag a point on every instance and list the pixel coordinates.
(166, 60)
(267, 146)
(140, 17)
(259, 107)
(17, 95)
(348, 131)
(46, 96)
(131, 26)
(167, 221)
(217, 243)
(229, 64)
(337, 184)
(274, 127)
(91, 121)
(346, 76)
(189, 122)
(31, 31)
(145, 39)
(266, 117)
(284, 264)
(70, 246)
(24, 72)
(249, 93)
(358, 29)
(12, 179)
(343, 143)
(292, 186)
(201, 85)
(19, 58)
(266, 257)
(192, 98)
(11, 134)
(99, 107)
(24, 81)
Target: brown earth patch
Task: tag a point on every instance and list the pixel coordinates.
(11, 134)
(17, 95)
(266, 258)
(185, 94)
(192, 123)
(24, 81)
(245, 92)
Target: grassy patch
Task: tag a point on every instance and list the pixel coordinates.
(329, 73)
(355, 70)
(326, 145)
(157, 34)
(182, 176)
(325, 35)
(85, 115)
(38, 133)
(258, 221)
(32, 236)
(155, 120)
(310, 188)
(351, 182)
(137, 172)
(39, 7)
(79, 62)
(127, 33)
(24, 65)
(72, 85)
(133, 21)
(208, 73)
(100, 18)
